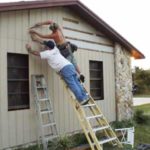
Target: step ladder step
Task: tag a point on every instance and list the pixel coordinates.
(43, 99)
(41, 87)
(93, 117)
(100, 128)
(46, 111)
(107, 140)
(48, 125)
(88, 105)
(50, 137)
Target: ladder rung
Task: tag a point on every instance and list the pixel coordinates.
(41, 87)
(100, 128)
(38, 76)
(92, 117)
(46, 111)
(43, 99)
(88, 105)
(107, 140)
(50, 137)
(48, 125)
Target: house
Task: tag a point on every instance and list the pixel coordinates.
(103, 56)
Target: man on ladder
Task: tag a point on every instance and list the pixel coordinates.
(63, 67)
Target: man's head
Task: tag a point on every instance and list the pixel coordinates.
(49, 44)
(53, 26)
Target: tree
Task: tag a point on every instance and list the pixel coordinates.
(141, 78)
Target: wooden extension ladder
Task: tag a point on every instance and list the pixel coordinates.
(95, 126)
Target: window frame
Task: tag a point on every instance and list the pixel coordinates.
(21, 90)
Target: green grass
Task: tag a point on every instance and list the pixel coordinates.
(142, 132)
(110, 147)
(142, 95)
(145, 108)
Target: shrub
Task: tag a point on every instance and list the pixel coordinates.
(79, 139)
(61, 143)
(123, 124)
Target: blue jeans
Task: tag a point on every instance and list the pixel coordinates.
(70, 77)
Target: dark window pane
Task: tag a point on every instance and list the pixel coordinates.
(95, 74)
(18, 101)
(14, 73)
(17, 60)
(95, 84)
(96, 80)
(16, 87)
(95, 65)
(18, 81)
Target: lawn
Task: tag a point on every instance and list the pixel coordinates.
(142, 132)
(141, 95)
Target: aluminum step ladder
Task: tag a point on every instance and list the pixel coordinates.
(46, 123)
(95, 126)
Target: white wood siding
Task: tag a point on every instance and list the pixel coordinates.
(19, 127)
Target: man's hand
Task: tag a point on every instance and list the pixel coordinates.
(32, 31)
(33, 37)
(82, 78)
(28, 47)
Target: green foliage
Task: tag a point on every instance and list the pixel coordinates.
(141, 78)
(67, 142)
(78, 139)
(140, 118)
(61, 143)
(123, 124)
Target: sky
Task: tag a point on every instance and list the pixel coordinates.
(130, 18)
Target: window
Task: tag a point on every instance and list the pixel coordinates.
(96, 80)
(18, 81)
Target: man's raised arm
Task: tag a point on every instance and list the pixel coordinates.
(42, 23)
(47, 36)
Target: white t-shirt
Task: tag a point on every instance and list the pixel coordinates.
(54, 58)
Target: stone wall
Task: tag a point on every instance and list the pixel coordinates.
(123, 77)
